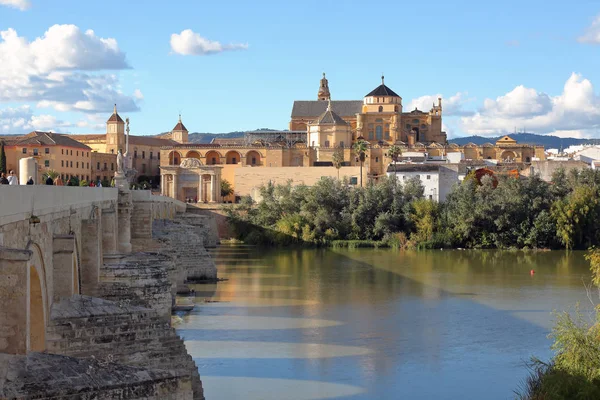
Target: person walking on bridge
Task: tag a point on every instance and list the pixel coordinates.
(12, 178)
(3, 180)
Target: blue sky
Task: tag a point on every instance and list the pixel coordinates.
(498, 65)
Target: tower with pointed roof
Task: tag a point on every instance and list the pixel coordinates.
(324, 94)
(180, 132)
(115, 132)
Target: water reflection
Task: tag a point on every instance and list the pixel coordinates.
(440, 324)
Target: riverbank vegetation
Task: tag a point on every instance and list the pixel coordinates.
(487, 212)
(574, 371)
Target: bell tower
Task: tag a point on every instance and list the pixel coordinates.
(115, 133)
(180, 132)
(324, 89)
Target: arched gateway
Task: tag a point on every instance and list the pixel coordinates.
(192, 180)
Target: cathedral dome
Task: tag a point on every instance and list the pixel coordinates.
(382, 90)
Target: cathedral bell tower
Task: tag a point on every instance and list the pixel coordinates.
(324, 89)
(180, 132)
(115, 133)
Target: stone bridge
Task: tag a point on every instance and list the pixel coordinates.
(88, 278)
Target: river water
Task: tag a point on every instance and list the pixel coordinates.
(377, 324)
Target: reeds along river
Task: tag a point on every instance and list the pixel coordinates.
(377, 324)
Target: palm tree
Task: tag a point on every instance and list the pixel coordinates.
(50, 174)
(360, 148)
(338, 160)
(394, 152)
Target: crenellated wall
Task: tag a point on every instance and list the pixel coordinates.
(71, 285)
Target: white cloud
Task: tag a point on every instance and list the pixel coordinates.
(592, 33)
(60, 70)
(137, 93)
(575, 111)
(452, 106)
(21, 120)
(190, 43)
(20, 4)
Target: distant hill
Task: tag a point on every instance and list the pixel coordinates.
(200, 137)
(548, 141)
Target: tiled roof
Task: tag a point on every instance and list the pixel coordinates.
(382, 90)
(311, 109)
(180, 127)
(100, 136)
(151, 141)
(115, 118)
(329, 117)
(228, 141)
(50, 139)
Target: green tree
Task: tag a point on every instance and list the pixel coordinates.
(50, 174)
(2, 157)
(424, 216)
(394, 153)
(338, 160)
(360, 148)
(576, 217)
(226, 188)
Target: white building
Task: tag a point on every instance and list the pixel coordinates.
(437, 179)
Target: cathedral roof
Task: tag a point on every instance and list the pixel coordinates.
(329, 117)
(311, 109)
(50, 139)
(382, 90)
(115, 116)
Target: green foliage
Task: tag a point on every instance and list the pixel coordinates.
(2, 158)
(493, 212)
(83, 182)
(50, 174)
(226, 188)
(574, 371)
(338, 159)
(74, 181)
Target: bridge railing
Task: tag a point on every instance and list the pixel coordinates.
(20, 202)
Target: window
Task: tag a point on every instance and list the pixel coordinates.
(88, 165)
(253, 160)
(158, 155)
(342, 144)
(98, 166)
(234, 160)
(371, 137)
(46, 163)
(376, 159)
(112, 166)
(47, 150)
(71, 152)
(105, 167)
(387, 135)
(213, 161)
(380, 108)
(428, 176)
(62, 151)
(151, 155)
(62, 163)
(77, 153)
(35, 152)
(143, 168)
(430, 197)
(379, 132)
(112, 151)
(71, 164)
(395, 108)
(24, 150)
(327, 143)
(135, 154)
(77, 164)
(143, 154)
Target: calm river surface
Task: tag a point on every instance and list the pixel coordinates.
(377, 324)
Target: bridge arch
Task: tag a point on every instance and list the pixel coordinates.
(37, 302)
